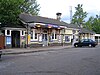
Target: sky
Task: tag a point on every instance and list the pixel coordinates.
(49, 8)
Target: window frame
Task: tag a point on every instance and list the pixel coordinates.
(54, 35)
(6, 33)
(34, 34)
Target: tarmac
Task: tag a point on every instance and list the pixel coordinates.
(32, 50)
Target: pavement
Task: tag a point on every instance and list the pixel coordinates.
(32, 50)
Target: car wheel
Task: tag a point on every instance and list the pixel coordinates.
(94, 46)
(90, 45)
(76, 45)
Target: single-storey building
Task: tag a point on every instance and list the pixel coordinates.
(97, 38)
(86, 34)
(36, 31)
(43, 31)
(14, 36)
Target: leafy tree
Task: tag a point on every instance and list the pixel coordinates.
(89, 23)
(31, 7)
(79, 16)
(94, 24)
(10, 9)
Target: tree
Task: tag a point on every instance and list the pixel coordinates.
(10, 9)
(94, 24)
(79, 16)
(89, 23)
(31, 7)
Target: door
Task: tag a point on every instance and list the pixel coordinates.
(15, 36)
(85, 42)
(44, 39)
(2, 42)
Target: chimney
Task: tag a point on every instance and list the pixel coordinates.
(58, 16)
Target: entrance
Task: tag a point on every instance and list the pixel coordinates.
(15, 36)
(44, 38)
(2, 42)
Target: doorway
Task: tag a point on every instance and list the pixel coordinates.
(15, 37)
(2, 42)
(45, 40)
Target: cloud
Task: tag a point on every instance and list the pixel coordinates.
(49, 8)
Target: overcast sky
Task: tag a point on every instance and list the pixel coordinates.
(49, 8)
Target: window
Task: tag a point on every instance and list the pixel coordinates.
(8, 40)
(67, 38)
(52, 35)
(8, 32)
(55, 36)
(31, 34)
(22, 32)
(35, 35)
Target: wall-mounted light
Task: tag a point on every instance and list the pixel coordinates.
(49, 27)
(38, 26)
(58, 28)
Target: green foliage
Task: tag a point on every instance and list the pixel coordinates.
(94, 24)
(89, 23)
(10, 9)
(79, 16)
(31, 7)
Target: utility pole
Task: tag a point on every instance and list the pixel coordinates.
(70, 14)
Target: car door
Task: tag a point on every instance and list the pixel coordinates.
(81, 43)
(86, 42)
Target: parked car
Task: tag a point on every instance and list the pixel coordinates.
(85, 42)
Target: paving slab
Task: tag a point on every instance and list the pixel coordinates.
(30, 50)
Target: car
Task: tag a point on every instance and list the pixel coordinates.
(85, 42)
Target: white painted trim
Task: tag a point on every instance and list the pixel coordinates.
(21, 33)
(7, 34)
(54, 32)
(97, 34)
(34, 35)
(39, 23)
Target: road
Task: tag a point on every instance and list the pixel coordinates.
(72, 61)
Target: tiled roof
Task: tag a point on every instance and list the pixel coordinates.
(73, 26)
(38, 19)
(85, 30)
